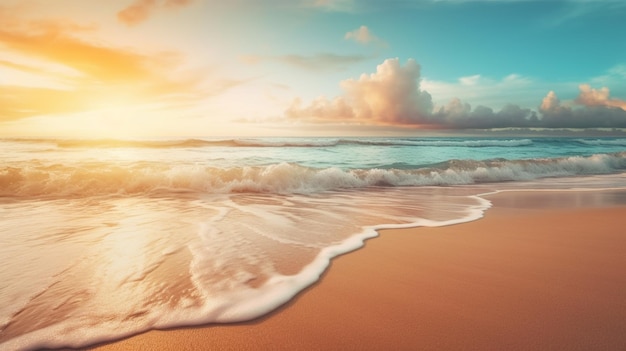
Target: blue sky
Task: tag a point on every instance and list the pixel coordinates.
(278, 67)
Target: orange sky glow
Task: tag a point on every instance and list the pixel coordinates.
(142, 68)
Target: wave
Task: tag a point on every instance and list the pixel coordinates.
(603, 142)
(446, 142)
(269, 142)
(283, 178)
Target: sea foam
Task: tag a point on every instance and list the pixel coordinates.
(103, 239)
(117, 282)
(102, 178)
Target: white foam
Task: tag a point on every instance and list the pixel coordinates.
(603, 142)
(116, 304)
(281, 178)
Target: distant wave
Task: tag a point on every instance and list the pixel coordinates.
(284, 178)
(446, 142)
(269, 142)
(603, 142)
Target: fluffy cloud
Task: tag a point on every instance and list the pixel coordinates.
(393, 96)
(598, 110)
(593, 97)
(141, 10)
(550, 103)
(364, 36)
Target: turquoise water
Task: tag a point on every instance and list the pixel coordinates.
(289, 165)
(103, 239)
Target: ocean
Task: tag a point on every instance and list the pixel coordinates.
(102, 239)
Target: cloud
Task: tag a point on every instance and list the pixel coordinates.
(393, 96)
(362, 35)
(136, 12)
(550, 103)
(470, 80)
(597, 110)
(318, 62)
(20, 102)
(592, 97)
(595, 113)
(100, 74)
(459, 115)
(21, 67)
(141, 10)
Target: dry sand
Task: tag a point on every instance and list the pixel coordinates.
(522, 278)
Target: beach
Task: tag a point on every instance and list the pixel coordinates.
(541, 271)
(105, 240)
(312, 175)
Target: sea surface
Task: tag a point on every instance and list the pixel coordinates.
(102, 239)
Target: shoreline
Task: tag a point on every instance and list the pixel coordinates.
(521, 277)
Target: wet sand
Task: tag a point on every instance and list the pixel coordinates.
(541, 271)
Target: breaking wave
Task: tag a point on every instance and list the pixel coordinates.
(99, 178)
(603, 142)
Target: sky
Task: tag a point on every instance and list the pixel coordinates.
(201, 68)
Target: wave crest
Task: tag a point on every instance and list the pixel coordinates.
(283, 178)
(603, 142)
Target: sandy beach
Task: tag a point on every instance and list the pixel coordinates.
(541, 271)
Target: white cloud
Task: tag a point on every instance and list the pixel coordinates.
(391, 95)
(598, 97)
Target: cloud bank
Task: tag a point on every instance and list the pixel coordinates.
(597, 110)
(393, 96)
